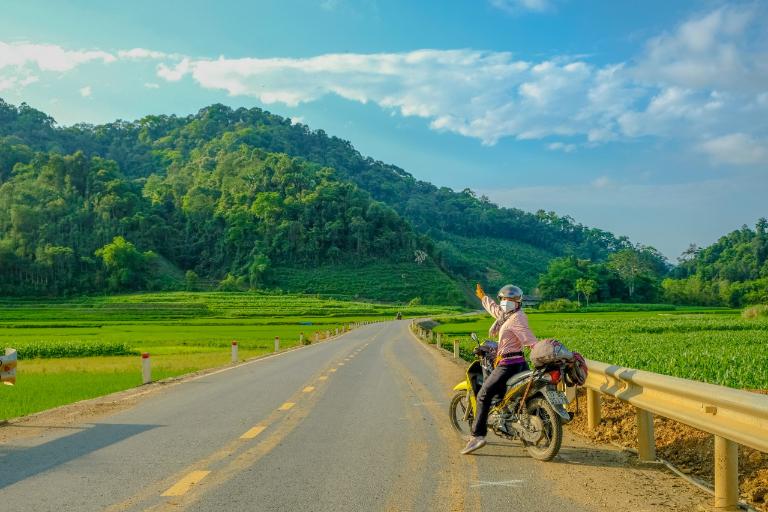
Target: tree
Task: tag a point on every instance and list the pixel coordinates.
(560, 279)
(629, 265)
(191, 281)
(587, 287)
(127, 268)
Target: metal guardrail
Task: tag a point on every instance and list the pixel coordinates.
(733, 416)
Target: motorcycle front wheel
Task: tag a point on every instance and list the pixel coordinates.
(457, 410)
(552, 432)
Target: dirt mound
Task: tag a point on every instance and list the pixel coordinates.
(691, 451)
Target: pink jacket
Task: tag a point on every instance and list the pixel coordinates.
(514, 333)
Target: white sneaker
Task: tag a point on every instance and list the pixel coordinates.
(475, 443)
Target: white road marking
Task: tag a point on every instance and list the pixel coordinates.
(500, 483)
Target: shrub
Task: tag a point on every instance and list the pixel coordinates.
(231, 283)
(559, 305)
(759, 311)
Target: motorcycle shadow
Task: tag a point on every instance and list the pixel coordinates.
(568, 455)
(592, 456)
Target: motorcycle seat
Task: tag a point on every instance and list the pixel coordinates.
(518, 377)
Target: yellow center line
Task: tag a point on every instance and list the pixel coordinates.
(309, 389)
(235, 460)
(185, 484)
(258, 429)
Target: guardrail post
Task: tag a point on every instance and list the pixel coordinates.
(726, 474)
(455, 349)
(277, 343)
(234, 351)
(146, 369)
(437, 341)
(646, 442)
(593, 408)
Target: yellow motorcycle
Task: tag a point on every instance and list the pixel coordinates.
(532, 410)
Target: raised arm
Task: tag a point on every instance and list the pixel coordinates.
(492, 308)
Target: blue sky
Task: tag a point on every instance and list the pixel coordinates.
(648, 119)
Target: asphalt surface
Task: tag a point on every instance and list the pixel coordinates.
(357, 423)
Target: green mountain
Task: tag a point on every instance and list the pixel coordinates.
(731, 272)
(250, 198)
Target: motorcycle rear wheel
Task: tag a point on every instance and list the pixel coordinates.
(549, 444)
(457, 410)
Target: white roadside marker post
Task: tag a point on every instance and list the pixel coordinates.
(455, 349)
(146, 369)
(277, 343)
(8, 366)
(301, 338)
(234, 351)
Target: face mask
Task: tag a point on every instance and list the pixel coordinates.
(508, 305)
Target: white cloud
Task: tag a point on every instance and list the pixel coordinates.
(297, 120)
(736, 149)
(86, 91)
(142, 53)
(151, 85)
(517, 6)
(48, 57)
(175, 73)
(710, 51)
(16, 82)
(561, 146)
(486, 95)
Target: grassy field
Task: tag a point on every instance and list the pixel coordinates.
(80, 348)
(714, 346)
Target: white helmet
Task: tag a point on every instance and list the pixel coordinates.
(511, 292)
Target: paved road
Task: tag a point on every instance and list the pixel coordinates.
(359, 423)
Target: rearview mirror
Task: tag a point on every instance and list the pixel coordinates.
(474, 337)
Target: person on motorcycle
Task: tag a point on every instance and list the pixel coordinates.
(511, 327)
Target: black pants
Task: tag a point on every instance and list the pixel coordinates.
(494, 385)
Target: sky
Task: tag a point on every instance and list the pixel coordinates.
(647, 119)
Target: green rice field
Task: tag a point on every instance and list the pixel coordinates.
(75, 349)
(715, 346)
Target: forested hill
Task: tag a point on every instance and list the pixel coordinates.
(214, 193)
(731, 272)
